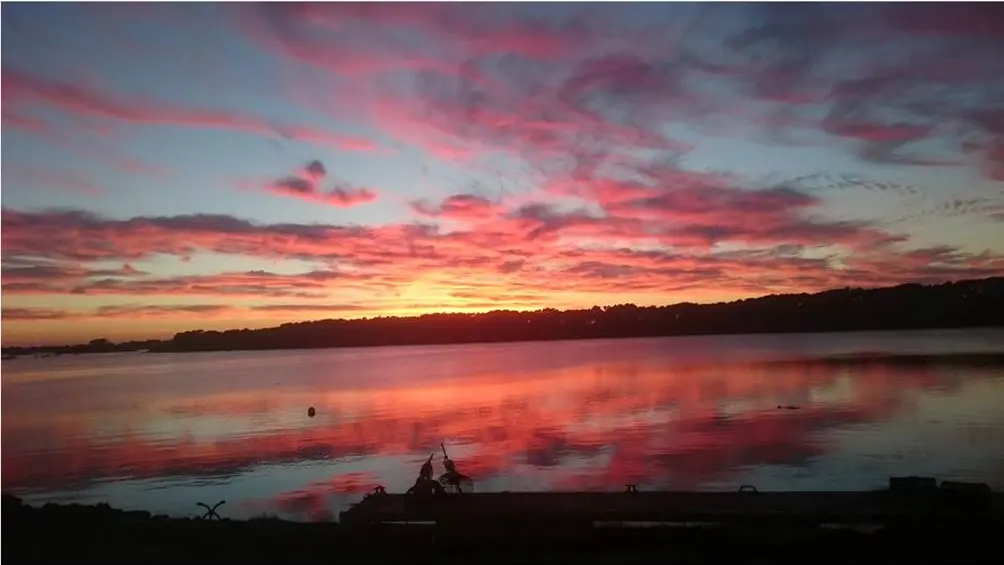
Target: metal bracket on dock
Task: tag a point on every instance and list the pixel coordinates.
(748, 488)
(211, 510)
(631, 488)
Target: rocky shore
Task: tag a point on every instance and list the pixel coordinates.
(100, 534)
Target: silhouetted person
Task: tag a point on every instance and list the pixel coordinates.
(452, 477)
(425, 487)
(426, 471)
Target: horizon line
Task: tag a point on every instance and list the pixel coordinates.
(504, 310)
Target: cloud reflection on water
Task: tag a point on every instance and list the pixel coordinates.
(592, 426)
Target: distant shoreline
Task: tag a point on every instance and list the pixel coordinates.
(968, 304)
(992, 358)
(57, 350)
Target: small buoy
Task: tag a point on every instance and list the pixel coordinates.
(311, 411)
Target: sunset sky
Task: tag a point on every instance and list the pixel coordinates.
(177, 166)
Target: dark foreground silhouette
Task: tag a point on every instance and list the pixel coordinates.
(99, 534)
(971, 303)
(426, 489)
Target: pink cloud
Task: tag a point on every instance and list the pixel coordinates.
(560, 99)
(504, 254)
(129, 281)
(192, 312)
(460, 206)
(23, 89)
(47, 179)
(879, 132)
(693, 209)
(304, 33)
(583, 115)
(89, 148)
(33, 314)
(307, 185)
(954, 20)
(511, 116)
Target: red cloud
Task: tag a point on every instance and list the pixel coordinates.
(23, 89)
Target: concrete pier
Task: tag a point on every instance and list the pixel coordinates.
(807, 508)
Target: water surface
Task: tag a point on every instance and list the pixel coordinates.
(161, 432)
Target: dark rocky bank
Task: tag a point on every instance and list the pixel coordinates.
(100, 534)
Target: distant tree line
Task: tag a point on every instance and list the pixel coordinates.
(971, 303)
(100, 345)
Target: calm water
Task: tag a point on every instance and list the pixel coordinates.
(162, 432)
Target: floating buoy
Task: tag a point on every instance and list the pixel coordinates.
(311, 411)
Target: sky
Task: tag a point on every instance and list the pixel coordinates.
(168, 167)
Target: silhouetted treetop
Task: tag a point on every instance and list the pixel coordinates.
(910, 306)
(971, 303)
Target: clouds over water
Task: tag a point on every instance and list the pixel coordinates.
(376, 155)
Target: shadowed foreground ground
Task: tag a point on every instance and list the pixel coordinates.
(93, 534)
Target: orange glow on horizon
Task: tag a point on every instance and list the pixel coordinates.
(163, 325)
